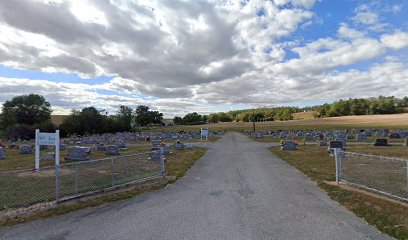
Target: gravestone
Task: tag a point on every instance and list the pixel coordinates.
(155, 155)
(2, 156)
(156, 143)
(259, 135)
(165, 150)
(77, 154)
(120, 143)
(308, 137)
(25, 149)
(394, 135)
(179, 146)
(335, 144)
(189, 146)
(48, 156)
(288, 145)
(101, 148)
(62, 147)
(381, 142)
(112, 150)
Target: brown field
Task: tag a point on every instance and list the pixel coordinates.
(58, 119)
(392, 121)
(303, 115)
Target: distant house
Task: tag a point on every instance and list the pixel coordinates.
(167, 122)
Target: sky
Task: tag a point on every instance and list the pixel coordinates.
(202, 56)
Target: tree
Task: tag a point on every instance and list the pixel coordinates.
(26, 109)
(155, 117)
(178, 120)
(192, 119)
(213, 118)
(23, 114)
(142, 115)
(125, 117)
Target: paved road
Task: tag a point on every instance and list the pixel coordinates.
(238, 190)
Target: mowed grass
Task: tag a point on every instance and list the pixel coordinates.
(176, 165)
(387, 151)
(16, 161)
(314, 161)
(391, 121)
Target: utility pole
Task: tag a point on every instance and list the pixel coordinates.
(253, 118)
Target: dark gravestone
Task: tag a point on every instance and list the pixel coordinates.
(394, 135)
(101, 148)
(381, 142)
(112, 150)
(2, 157)
(77, 154)
(335, 144)
(25, 149)
(179, 146)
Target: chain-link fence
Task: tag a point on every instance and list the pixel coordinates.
(26, 187)
(384, 175)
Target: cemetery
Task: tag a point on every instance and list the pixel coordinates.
(20, 154)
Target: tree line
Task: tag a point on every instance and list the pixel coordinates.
(23, 114)
(246, 115)
(362, 106)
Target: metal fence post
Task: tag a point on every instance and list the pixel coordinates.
(113, 171)
(336, 157)
(162, 172)
(76, 179)
(57, 183)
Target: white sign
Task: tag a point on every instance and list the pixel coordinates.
(204, 133)
(46, 138)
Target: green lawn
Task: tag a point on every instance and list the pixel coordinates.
(388, 216)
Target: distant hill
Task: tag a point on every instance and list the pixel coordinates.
(58, 119)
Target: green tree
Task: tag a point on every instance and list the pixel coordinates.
(26, 109)
(124, 116)
(142, 115)
(192, 118)
(23, 114)
(178, 120)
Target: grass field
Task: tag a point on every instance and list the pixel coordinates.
(15, 161)
(314, 161)
(393, 121)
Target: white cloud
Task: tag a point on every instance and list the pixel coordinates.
(182, 56)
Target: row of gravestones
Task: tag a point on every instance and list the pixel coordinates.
(360, 135)
(291, 145)
(82, 153)
(135, 137)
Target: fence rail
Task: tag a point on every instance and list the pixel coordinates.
(384, 175)
(23, 188)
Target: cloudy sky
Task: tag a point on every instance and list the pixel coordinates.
(204, 56)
